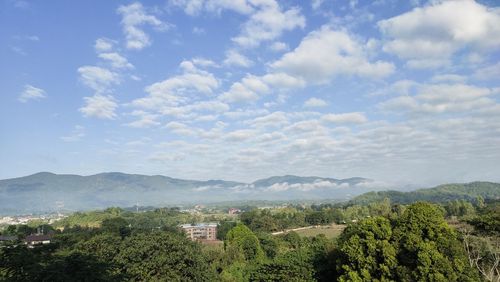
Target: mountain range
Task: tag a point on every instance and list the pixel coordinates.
(48, 192)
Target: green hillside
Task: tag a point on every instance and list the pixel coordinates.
(439, 194)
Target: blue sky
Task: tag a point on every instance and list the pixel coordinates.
(403, 92)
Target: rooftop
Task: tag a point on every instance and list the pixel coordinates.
(210, 224)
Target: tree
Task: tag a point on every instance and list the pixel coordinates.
(269, 244)
(245, 240)
(105, 247)
(293, 239)
(428, 249)
(366, 253)
(162, 256)
(292, 266)
(116, 225)
(223, 228)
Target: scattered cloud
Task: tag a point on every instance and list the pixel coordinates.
(145, 120)
(233, 58)
(279, 46)
(320, 184)
(31, 93)
(97, 78)
(241, 135)
(315, 103)
(99, 106)
(316, 4)
(345, 118)
(428, 36)
(134, 16)
(194, 7)
(442, 98)
(326, 53)
(179, 95)
(491, 72)
(267, 23)
(116, 60)
(104, 45)
(76, 134)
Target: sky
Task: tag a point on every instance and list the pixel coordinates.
(402, 92)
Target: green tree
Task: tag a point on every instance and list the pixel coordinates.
(246, 241)
(162, 256)
(116, 225)
(223, 228)
(294, 265)
(428, 249)
(366, 253)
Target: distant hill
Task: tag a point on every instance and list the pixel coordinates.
(292, 179)
(439, 194)
(45, 191)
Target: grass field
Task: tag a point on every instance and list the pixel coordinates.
(212, 245)
(330, 231)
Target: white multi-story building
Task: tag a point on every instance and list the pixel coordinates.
(200, 231)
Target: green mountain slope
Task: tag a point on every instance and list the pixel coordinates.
(439, 194)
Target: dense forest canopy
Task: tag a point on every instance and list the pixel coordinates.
(456, 240)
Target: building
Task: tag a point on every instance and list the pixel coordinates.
(200, 231)
(37, 239)
(234, 211)
(6, 240)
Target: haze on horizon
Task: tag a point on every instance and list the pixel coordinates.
(397, 91)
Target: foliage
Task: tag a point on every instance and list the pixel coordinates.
(242, 238)
(161, 256)
(366, 251)
(223, 227)
(418, 246)
(428, 248)
(295, 265)
(440, 194)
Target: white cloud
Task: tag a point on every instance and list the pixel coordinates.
(240, 135)
(133, 17)
(116, 60)
(489, 72)
(316, 4)
(31, 93)
(442, 98)
(278, 46)
(103, 45)
(345, 118)
(315, 103)
(145, 120)
(175, 90)
(180, 128)
(244, 113)
(428, 36)
(448, 78)
(275, 119)
(326, 53)
(239, 93)
(400, 87)
(233, 58)
(268, 23)
(198, 30)
(247, 90)
(283, 80)
(309, 127)
(202, 62)
(76, 134)
(97, 78)
(99, 106)
(319, 184)
(194, 7)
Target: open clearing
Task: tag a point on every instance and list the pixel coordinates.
(330, 231)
